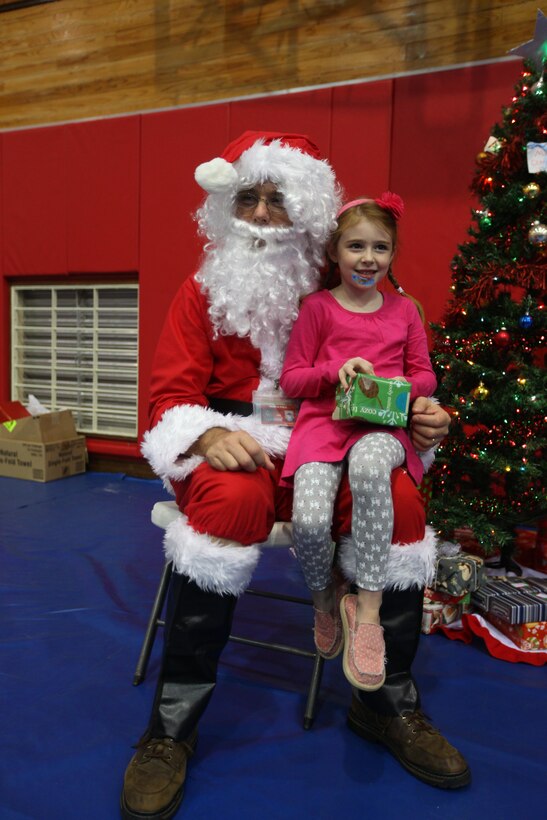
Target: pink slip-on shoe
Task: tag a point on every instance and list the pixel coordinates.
(364, 649)
(327, 632)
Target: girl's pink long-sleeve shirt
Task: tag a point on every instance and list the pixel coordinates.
(323, 338)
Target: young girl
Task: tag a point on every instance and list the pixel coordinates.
(353, 328)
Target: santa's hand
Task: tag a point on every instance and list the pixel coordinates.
(231, 450)
(352, 367)
(429, 423)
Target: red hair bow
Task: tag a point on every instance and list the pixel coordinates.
(392, 203)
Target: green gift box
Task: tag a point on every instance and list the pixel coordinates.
(380, 401)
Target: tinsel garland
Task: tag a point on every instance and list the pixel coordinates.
(492, 277)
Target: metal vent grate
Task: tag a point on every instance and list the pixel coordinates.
(76, 348)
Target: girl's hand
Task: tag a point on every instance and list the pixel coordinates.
(352, 367)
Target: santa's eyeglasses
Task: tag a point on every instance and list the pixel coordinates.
(249, 201)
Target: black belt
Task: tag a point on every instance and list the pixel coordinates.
(224, 406)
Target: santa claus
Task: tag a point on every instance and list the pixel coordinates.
(270, 208)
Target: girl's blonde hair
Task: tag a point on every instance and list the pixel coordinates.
(386, 221)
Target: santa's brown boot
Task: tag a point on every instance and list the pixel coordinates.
(414, 742)
(154, 780)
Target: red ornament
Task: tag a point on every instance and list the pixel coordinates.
(484, 183)
(513, 156)
(541, 123)
(502, 338)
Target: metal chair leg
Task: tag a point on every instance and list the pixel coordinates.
(313, 689)
(155, 620)
(153, 623)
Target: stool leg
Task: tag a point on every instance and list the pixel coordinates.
(315, 683)
(153, 623)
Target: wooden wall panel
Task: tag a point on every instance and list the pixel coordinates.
(72, 59)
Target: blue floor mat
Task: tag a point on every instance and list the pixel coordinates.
(80, 566)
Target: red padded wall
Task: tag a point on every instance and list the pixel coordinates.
(173, 143)
(440, 122)
(4, 296)
(103, 172)
(34, 193)
(305, 112)
(361, 135)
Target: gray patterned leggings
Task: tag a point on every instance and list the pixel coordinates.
(370, 463)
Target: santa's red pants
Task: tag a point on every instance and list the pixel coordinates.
(243, 507)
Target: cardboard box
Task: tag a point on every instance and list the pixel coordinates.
(380, 401)
(41, 448)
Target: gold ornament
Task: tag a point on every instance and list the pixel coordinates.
(480, 392)
(532, 190)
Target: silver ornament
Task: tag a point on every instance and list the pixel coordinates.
(538, 233)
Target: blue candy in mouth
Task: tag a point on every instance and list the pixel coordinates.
(359, 279)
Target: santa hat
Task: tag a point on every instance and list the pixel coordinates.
(219, 174)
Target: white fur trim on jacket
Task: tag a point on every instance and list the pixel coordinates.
(164, 445)
(427, 457)
(409, 565)
(226, 570)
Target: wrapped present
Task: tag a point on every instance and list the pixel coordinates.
(459, 574)
(371, 398)
(513, 600)
(541, 546)
(526, 552)
(431, 616)
(526, 537)
(466, 538)
(531, 586)
(482, 597)
(441, 610)
(518, 608)
(531, 637)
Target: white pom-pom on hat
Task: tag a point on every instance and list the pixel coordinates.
(218, 175)
(215, 176)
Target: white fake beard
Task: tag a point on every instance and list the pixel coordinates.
(254, 282)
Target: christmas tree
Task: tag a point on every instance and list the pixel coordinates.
(487, 351)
